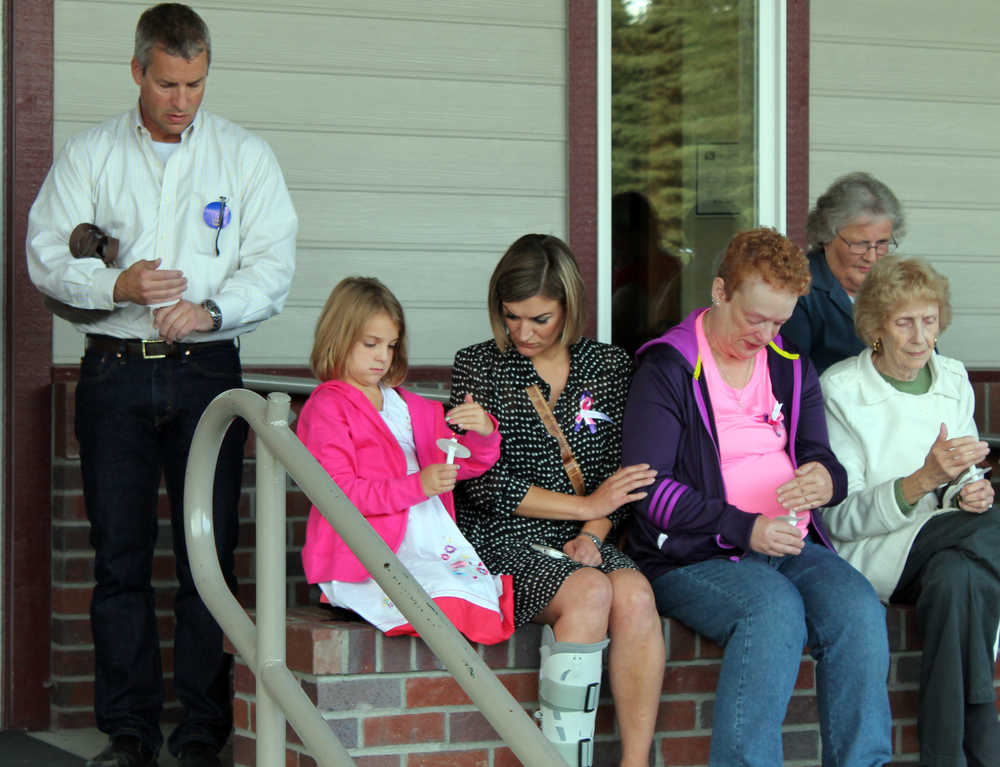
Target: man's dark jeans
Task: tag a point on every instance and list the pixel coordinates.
(134, 420)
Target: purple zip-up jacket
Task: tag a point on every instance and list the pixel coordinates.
(669, 424)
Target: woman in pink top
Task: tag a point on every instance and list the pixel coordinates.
(732, 421)
(379, 444)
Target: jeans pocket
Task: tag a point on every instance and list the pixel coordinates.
(97, 367)
(221, 365)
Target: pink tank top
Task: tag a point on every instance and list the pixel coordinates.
(752, 436)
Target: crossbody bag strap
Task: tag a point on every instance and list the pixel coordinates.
(552, 426)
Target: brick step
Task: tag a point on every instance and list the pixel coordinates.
(392, 704)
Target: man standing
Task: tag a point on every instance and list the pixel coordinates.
(206, 251)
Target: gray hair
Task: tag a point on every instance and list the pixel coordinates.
(849, 198)
(174, 27)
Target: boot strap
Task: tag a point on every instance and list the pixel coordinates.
(567, 697)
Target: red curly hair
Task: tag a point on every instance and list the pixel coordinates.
(767, 254)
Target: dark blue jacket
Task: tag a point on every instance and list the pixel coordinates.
(822, 325)
(669, 424)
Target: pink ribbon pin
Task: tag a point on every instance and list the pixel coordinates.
(587, 414)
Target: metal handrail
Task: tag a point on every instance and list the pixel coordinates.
(263, 647)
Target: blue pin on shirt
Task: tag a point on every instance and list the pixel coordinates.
(217, 215)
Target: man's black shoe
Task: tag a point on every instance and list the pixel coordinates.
(124, 751)
(199, 755)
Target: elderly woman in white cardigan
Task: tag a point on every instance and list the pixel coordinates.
(919, 519)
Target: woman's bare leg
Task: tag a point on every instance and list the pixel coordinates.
(636, 661)
(579, 610)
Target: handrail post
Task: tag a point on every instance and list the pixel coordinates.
(270, 583)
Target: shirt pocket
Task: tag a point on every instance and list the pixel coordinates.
(203, 234)
(209, 253)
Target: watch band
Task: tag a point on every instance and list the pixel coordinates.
(214, 312)
(597, 541)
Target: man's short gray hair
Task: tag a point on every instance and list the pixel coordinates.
(174, 27)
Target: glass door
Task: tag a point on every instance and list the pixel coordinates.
(691, 160)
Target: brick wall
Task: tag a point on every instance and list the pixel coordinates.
(391, 704)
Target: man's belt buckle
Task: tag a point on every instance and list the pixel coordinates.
(150, 355)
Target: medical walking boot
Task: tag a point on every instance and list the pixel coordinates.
(569, 686)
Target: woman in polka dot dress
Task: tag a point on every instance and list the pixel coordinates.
(523, 516)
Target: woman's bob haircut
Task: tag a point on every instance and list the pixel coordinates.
(352, 303)
(538, 265)
(892, 282)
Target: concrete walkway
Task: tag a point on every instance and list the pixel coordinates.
(68, 748)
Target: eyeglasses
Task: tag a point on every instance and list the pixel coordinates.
(861, 247)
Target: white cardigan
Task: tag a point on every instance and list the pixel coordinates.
(880, 434)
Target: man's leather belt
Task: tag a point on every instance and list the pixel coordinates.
(137, 348)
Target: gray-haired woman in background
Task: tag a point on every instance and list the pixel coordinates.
(855, 222)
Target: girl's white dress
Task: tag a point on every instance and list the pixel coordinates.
(438, 556)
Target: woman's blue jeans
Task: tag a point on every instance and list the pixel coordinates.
(134, 420)
(763, 611)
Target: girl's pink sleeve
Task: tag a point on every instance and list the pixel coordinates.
(485, 451)
(326, 431)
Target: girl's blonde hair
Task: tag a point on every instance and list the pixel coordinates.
(353, 302)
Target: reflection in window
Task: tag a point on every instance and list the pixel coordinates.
(683, 160)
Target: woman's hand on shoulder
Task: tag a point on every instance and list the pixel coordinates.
(976, 496)
(437, 478)
(470, 416)
(584, 550)
(775, 537)
(624, 486)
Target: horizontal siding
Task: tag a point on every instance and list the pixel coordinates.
(417, 140)
(319, 103)
(908, 90)
(901, 71)
(961, 25)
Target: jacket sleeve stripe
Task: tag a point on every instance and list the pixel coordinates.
(662, 506)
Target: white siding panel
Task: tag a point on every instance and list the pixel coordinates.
(971, 338)
(915, 178)
(921, 127)
(362, 219)
(521, 13)
(909, 90)
(943, 233)
(319, 103)
(899, 72)
(927, 23)
(257, 40)
(417, 139)
(370, 162)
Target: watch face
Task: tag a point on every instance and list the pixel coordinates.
(214, 312)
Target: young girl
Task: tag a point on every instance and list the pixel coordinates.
(379, 445)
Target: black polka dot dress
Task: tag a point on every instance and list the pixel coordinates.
(598, 382)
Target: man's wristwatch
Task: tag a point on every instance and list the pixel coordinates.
(214, 312)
